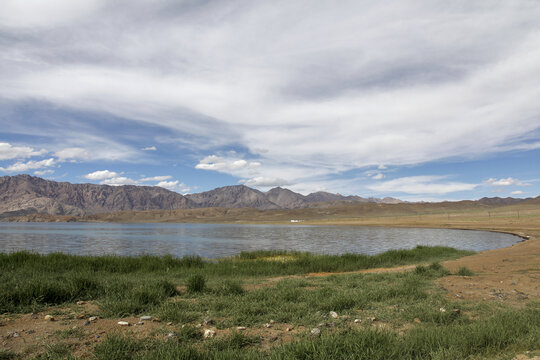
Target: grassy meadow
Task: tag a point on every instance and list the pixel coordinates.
(400, 315)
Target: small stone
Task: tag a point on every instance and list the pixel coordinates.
(209, 333)
(123, 323)
(15, 334)
(289, 328)
(417, 320)
(240, 328)
(457, 311)
(92, 318)
(321, 325)
(208, 321)
(96, 336)
(140, 323)
(315, 331)
(267, 325)
(198, 325)
(49, 317)
(169, 323)
(271, 321)
(74, 328)
(171, 335)
(156, 320)
(80, 303)
(443, 310)
(145, 318)
(80, 316)
(357, 321)
(31, 331)
(334, 314)
(372, 319)
(86, 323)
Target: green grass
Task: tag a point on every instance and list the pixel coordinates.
(132, 285)
(464, 271)
(413, 319)
(7, 355)
(505, 331)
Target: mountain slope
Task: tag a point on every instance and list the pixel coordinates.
(24, 194)
(286, 198)
(236, 196)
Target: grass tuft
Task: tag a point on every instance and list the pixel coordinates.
(464, 271)
(196, 283)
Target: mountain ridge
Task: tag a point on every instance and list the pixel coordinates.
(25, 194)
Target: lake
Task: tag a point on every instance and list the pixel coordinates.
(217, 240)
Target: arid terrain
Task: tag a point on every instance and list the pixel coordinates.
(508, 277)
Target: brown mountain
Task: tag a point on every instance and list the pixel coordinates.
(323, 196)
(236, 196)
(286, 198)
(500, 201)
(25, 194)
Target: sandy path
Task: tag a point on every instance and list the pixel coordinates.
(510, 274)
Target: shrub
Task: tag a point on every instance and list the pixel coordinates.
(464, 271)
(196, 283)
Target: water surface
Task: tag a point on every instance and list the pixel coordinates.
(217, 240)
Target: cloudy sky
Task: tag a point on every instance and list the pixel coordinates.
(421, 100)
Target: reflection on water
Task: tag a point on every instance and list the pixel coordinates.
(214, 240)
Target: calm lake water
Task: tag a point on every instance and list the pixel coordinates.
(214, 240)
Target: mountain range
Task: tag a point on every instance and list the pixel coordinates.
(24, 194)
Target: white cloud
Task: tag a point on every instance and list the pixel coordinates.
(149, 148)
(174, 186)
(156, 178)
(381, 167)
(43, 172)
(73, 153)
(32, 13)
(8, 151)
(506, 182)
(264, 182)
(30, 165)
(227, 164)
(420, 185)
(102, 175)
(417, 87)
(378, 176)
(517, 192)
(118, 181)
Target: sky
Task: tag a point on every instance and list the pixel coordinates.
(419, 100)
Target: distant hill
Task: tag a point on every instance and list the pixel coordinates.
(25, 194)
(286, 198)
(237, 196)
(500, 201)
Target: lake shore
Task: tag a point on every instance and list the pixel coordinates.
(403, 304)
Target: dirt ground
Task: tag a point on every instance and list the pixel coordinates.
(509, 275)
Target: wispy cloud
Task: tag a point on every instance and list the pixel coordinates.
(156, 178)
(8, 151)
(506, 182)
(420, 185)
(44, 172)
(101, 175)
(30, 165)
(396, 84)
